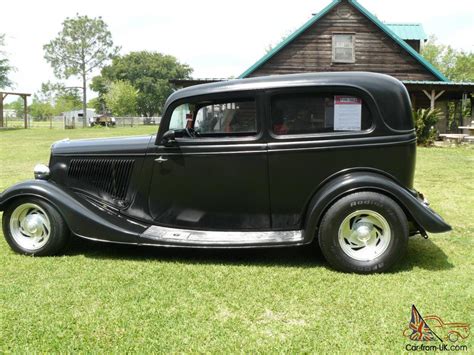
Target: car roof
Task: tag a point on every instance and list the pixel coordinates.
(362, 79)
(389, 93)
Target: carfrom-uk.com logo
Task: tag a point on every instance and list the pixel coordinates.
(431, 333)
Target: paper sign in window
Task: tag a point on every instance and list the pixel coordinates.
(347, 113)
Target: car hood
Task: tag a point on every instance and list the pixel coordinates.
(99, 146)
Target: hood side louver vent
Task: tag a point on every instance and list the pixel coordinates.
(108, 175)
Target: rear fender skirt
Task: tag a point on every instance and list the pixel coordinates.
(425, 218)
(82, 217)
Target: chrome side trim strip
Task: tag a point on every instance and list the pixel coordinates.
(104, 240)
(197, 246)
(224, 238)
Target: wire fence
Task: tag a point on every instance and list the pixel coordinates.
(59, 122)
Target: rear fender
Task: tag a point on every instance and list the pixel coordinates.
(84, 218)
(423, 216)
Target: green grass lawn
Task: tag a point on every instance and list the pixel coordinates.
(102, 297)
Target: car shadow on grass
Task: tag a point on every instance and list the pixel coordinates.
(421, 253)
(424, 254)
(305, 256)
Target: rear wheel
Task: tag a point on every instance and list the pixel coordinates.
(363, 232)
(34, 227)
(453, 337)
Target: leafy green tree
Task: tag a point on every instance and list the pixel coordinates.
(122, 98)
(17, 106)
(83, 45)
(53, 99)
(95, 104)
(41, 110)
(100, 85)
(149, 73)
(455, 65)
(67, 101)
(5, 67)
(49, 91)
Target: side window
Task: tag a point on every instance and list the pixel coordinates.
(307, 113)
(237, 118)
(179, 117)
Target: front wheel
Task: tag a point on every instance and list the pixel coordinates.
(34, 227)
(364, 232)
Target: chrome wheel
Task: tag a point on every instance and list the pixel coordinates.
(30, 226)
(364, 235)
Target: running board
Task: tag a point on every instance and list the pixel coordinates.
(218, 239)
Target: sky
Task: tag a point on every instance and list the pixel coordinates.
(218, 39)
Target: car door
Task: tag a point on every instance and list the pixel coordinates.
(317, 132)
(217, 180)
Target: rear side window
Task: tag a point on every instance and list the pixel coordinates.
(307, 113)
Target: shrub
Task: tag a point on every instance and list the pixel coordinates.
(425, 120)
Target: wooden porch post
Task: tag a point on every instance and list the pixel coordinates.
(457, 108)
(442, 123)
(413, 101)
(472, 110)
(25, 110)
(1, 109)
(433, 97)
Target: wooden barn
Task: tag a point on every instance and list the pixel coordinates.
(345, 36)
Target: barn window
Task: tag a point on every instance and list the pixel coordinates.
(343, 48)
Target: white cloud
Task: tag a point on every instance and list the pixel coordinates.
(217, 38)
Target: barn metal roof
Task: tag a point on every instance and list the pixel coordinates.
(442, 83)
(367, 14)
(408, 31)
(451, 86)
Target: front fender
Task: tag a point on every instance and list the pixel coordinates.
(83, 218)
(423, 216)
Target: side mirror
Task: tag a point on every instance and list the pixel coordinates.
(168, 139)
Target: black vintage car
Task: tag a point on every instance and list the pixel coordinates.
(263, 162)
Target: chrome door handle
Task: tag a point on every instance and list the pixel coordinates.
(161, 160)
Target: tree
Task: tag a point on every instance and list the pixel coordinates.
(455, 65)
(53, 99)
(5, 67)
(100, 85)
(41, 110)
(50, 91)
(67, 101)
(17, 106)
(95, 104)
(149, 73)
(122, 98)
(83, 45)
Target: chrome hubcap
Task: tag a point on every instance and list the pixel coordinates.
(30, 226)
(364, 235)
